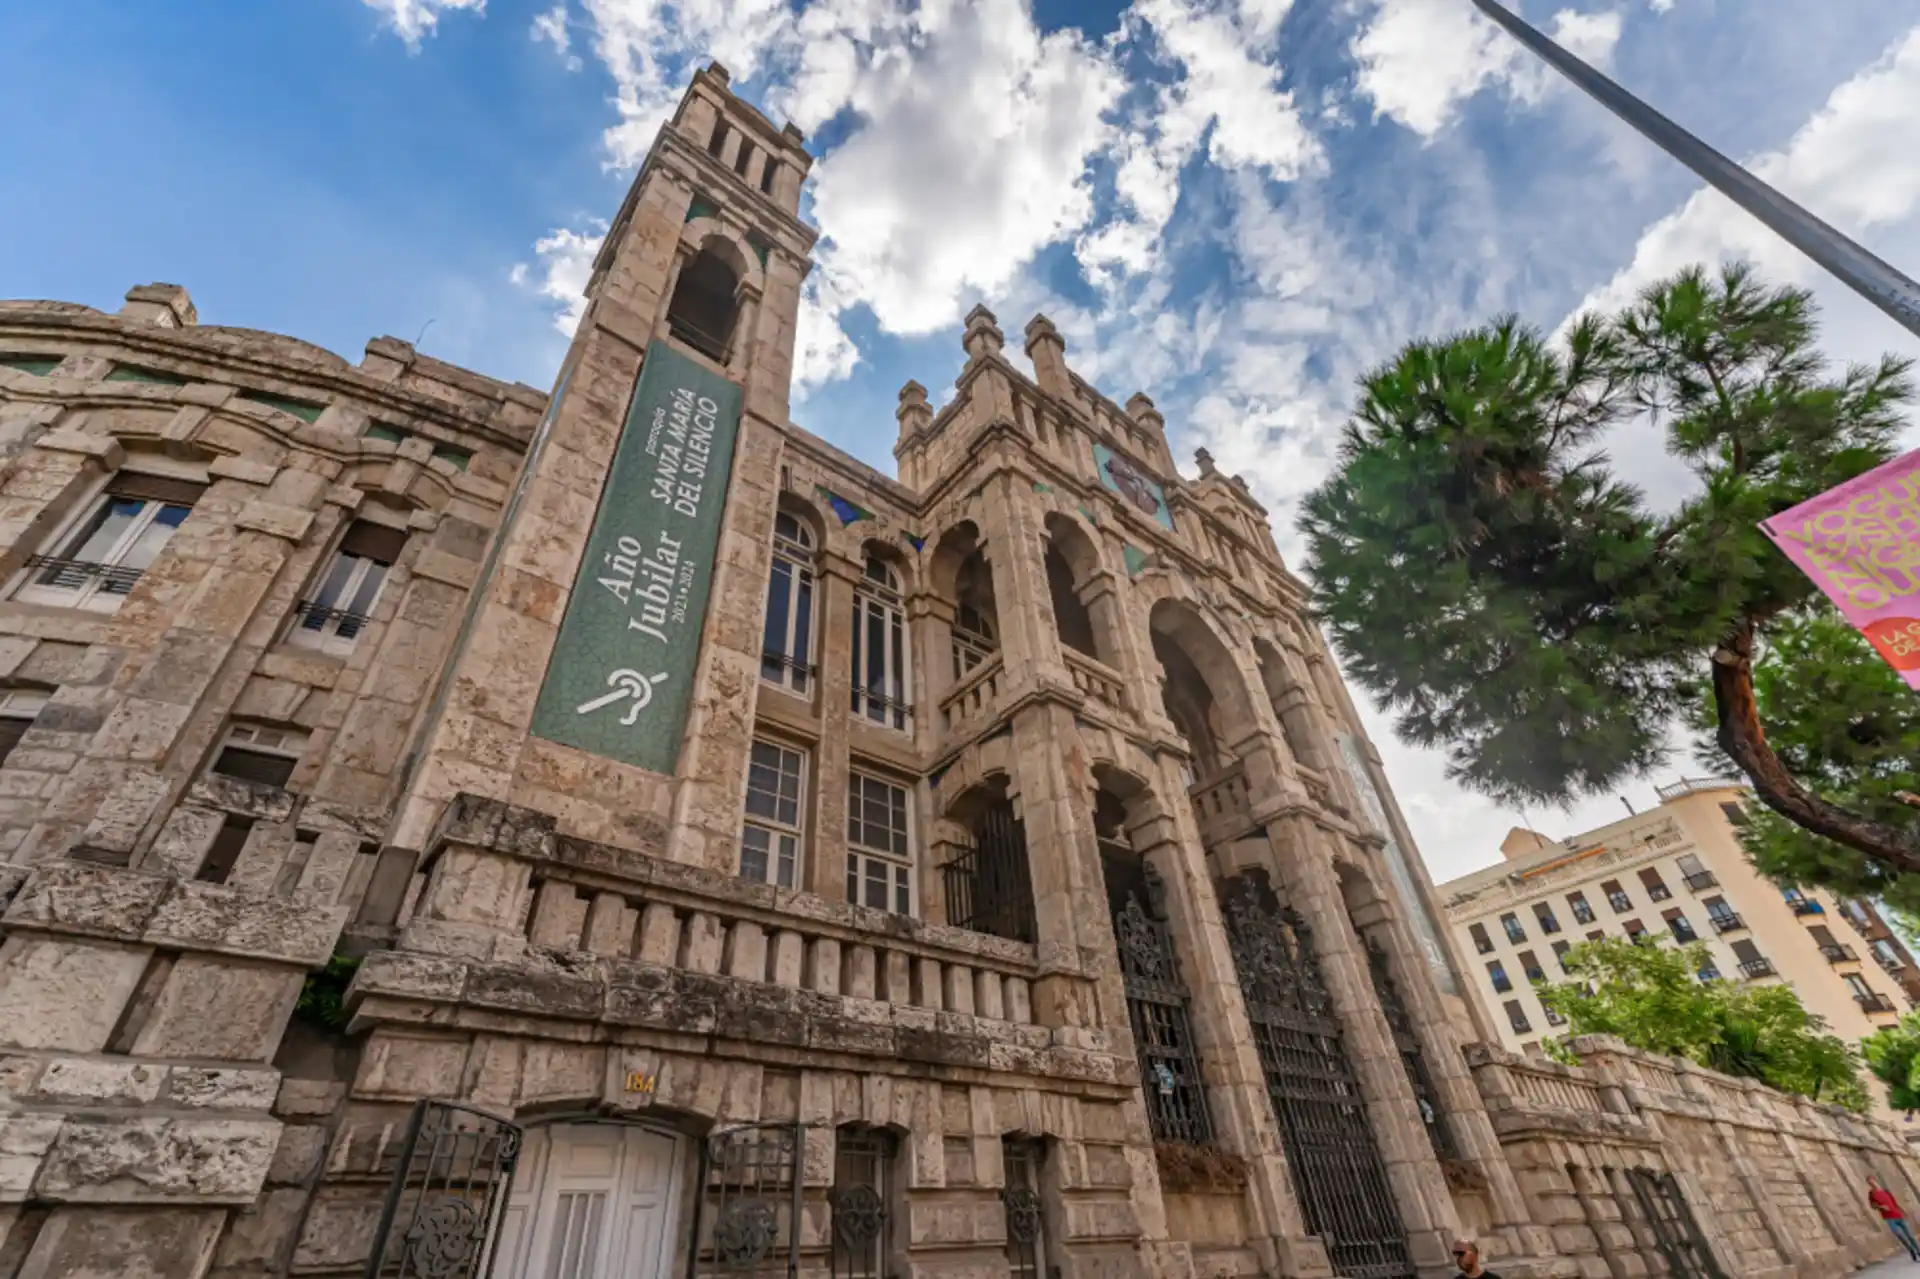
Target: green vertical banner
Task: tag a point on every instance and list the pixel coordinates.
(621, 677)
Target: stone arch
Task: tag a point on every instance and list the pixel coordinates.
(716, 280)
(1294, 705)
(986, 877)
(903, 569)
(1073, 567)
(1203, 688)
(959, 576)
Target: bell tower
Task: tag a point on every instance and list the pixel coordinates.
(623, 593)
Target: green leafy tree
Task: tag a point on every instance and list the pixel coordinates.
(1847, 726)
(1650, 995)
(1893, 1055)
(1482, 571)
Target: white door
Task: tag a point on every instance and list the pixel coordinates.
(591, 1201)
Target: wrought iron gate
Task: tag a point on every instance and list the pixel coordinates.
(1675, 1232)
(442, 1214)
(750, 1194)
(1336, 1167)
(1156, 1000)
(1408, 1042)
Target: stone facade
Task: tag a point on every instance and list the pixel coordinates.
(1034, 877)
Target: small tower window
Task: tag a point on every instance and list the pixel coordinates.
(704, 305)
(718, 142)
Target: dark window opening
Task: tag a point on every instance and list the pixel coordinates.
(704, 305)
(989, 889)
(718, 142)
(1070, 616)
(745, 158)
(225, 851)
(1026, 1223)
(766, 176)
(1481, 942)
(256, 753)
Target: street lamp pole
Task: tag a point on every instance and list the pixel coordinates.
(1875, 280)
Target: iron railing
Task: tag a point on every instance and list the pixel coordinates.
(316, 617)
(1407, 1040)
(1874, 1002)
(1694, 785)
(1806, 906)
(989, 885)
(708, 344)
(749, 1186)
(1728, 922)
(1658, 892)
(441, 1217)
(1170, 1077)
(1756, 968)
(1620, 902)
(1675, 1231)
(1701, 880)
(1835, 953)
(74, 575)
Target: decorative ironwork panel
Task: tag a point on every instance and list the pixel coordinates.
(862, 1159)
(989, 889)
(1675, 1232)
(1337, 1171)
(442, 1212)
(1026, 1223)
(1156, 1001)
(749, 1203)
(1408, 1042)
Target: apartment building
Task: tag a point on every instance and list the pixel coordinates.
(1676, 871)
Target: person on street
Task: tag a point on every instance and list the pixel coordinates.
(1466, 1255)
(1889, 1209)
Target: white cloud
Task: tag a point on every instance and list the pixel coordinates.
(551, 26)
(1856, 164)
(1420, 59)
(565, 266)
(822, 351)
(969, 154)
(415, 20)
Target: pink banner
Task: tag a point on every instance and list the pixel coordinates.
(1860, 543)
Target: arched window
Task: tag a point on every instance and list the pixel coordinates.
(1070, 617)
(976, 635)
(704, 306)
(862, 1201)
(786, 648)
(880, 647)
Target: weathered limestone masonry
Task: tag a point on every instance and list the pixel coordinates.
(1774, 1182)
(450, 830)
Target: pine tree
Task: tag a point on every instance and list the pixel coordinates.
(1483, 572)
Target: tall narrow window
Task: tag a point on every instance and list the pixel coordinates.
(879, 849)
(786, 649)
(1617, 897)
(771, 838)
(100, 557)
(1681, 929)
(342, 604)
(1022, 1158)
(1656, 887)
(1560, 949)
(260, 753)
(1481, 942)
(19, 707)
(860, 1198)
(1515, 933)
(1530, 965)
(1497, 973)
(880, 647)
(1582, 912)
(1544, 914)
(1517, 1018)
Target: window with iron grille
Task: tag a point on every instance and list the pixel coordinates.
(771, 838)
(879, 845)
(988, 885)
(1026, 1218)
(786, 645)
(861, 1200)
(880, 648)
(19, 707)
(1582, 912)
(99, 557)
(260, 753)
(1511, 923)
(1156, 1000)
(1481, 942)
(342, 605)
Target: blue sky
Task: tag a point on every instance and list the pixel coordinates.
(1235, 205)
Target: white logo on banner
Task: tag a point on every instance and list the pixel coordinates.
(626, 684)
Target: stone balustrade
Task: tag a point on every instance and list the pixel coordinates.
(598, 934)
(972, 701)
(1222, 806)
(1558, 1089)
(1097, 681)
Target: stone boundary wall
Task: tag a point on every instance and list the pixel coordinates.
(1776, 1183)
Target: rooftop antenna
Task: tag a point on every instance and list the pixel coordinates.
(423, 332)
(1630, 809)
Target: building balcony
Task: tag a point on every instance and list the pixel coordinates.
(1096, 681)
(1223, 807)
(1754, 969)
(1835, 953)
(1892, 963)
(1684, 934)
(1874, 1003)
(1727, 923)
(1805, 906)
(1702, 880)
